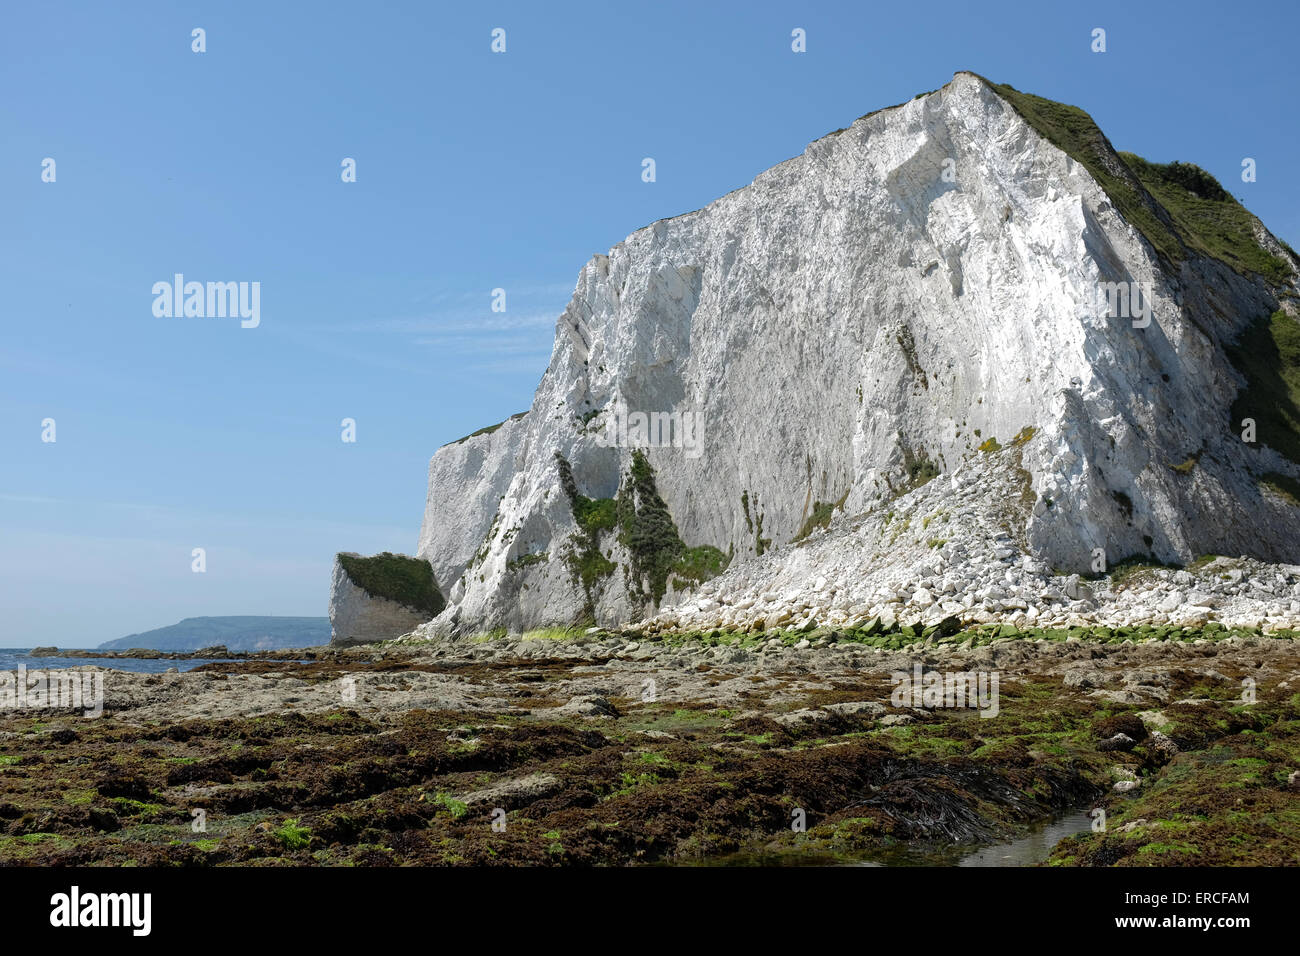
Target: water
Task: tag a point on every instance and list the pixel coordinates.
(12, 657)
(1028, 850)
(1033, 847)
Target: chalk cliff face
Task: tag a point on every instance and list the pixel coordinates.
(359, 617)
(918, 295)
(467, 481)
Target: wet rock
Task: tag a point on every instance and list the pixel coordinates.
(1084, 676)
(1161, 747)
(1118, 742)
(1128, 696)
(509, 794)
(897, 720)
(1128, 725)
(1154, 719)
(589, 705)
(800, 718)
(105, 821)
(850, 708)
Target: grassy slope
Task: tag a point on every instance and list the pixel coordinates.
(1183, 211)
(1208, 219)
(1179, 208)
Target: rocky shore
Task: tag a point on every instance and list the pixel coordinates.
(610, 748)
(940, 552)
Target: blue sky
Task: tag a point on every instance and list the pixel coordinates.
(475, 171)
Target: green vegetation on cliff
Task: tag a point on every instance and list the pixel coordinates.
(1178, 207)
(646, 529)
(1268, 356)
(594, 517)
(396, 577)
(488, 430)
(656, 549)
(1208, 220)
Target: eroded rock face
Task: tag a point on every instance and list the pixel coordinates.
(467, 480)
(858, 319)
(358, 617)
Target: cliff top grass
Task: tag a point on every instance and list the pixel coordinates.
(1178, 207)
(488, 430)
(396, 577)
(1208, 219)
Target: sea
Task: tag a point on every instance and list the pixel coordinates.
(12, 657)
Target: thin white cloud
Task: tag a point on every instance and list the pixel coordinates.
(490, 322)
(514, 345)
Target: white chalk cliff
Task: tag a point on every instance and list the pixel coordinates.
(860, 318)
(359, 617)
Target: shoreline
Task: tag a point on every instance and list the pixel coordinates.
(591, 748)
